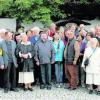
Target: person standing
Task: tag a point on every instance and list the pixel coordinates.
(71, 55)
(10, 64)
(44, 56)
(93, 68)
(25, 51)
(59, 50)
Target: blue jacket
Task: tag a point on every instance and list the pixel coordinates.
(1, 52)
(5, 53)
(44, 52)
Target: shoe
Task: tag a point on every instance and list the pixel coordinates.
(48, 87)
(72, 88)
(57, 85)
(90, 91)
(42, 86)
(83, 86)
(13, 89)
(97, 92)
(6, 90)
(30, 89)
(61, 85)
(25, 89)
(67, 86)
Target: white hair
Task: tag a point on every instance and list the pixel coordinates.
(36, 29)
(22, 33)
(2, 31)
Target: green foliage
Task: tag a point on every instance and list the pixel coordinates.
(54, 6)
(4, 5)
(28, 11)
(98, 1)
(84, 1)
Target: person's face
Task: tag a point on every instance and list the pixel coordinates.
(97, 31)
(18, 38)
(44, 37)
(29, 34)
(73, 28)
(79, 38)
(53, 27)
(9, 36)
(88, 37)
(24, 38)
(82, 27)
(83, 32)
(69, 34)
(56, 37)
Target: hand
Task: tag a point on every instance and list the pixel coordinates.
(25, 56)
(2, 67)
(74, 62)
(84, 68)
(52, 62)
(16, 66)
(37, 63)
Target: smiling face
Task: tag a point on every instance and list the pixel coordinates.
(97, 30)
(24, 37)
(8, 36)
(69, 34)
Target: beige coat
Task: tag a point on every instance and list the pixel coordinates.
(94, 65)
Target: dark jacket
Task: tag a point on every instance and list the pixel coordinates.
(27, 64)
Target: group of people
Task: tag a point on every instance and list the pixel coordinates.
(55, 54)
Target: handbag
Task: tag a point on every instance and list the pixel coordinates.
(86, 62)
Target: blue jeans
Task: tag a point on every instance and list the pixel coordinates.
(59, 72)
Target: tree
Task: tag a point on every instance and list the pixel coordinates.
(28, 11)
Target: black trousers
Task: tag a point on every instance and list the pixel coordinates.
(45, 73)
(1, 78)
(10, 76)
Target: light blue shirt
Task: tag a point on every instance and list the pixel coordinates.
(59, 50)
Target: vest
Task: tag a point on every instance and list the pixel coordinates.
(70, 51)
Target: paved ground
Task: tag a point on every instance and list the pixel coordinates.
(54, 94)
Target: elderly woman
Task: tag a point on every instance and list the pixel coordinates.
(93, 68)
(25, 51)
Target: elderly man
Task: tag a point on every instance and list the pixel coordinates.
(71, 54)
(35, 35)
(44, 56)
